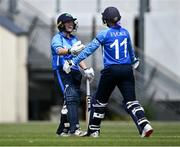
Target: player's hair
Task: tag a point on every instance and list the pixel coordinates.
(111, 14)
(63, 18)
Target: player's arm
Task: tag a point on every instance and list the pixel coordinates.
(88, 50)
(91, 47)
(134, 60)
(60, 50)
(130, 48)
(83, 65)
(58, 46)
(74, 50)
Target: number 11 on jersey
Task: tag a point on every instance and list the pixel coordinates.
(117, 46)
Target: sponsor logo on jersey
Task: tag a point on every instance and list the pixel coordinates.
(115, 34)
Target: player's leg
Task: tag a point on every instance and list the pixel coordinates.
(99, 103)
(63, 127)
(72, 96)
(131, 105)
(72, 101)
(136, 111)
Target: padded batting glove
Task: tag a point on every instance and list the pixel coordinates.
(89, 73)
(135, 63)
(67, 66)
(76, 48)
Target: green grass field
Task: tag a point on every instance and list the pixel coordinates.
(115, 133)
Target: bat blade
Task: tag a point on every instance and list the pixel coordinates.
(88, 101)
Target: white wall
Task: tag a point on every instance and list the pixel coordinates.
(82, 9)
(13, 77)
(162, 34)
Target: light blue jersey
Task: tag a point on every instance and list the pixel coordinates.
(61, 41)
(116, 43)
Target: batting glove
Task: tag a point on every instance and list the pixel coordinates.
(89, 73)
(76, 48)
(135, 63)
(67, 66)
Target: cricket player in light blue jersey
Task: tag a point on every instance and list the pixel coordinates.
(64, 47)
(119, 61)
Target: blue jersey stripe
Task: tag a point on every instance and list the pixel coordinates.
(57, 61)
(60, 81)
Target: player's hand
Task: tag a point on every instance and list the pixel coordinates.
(135, 63)
(89, 73)
(76, 48)
(67, 66)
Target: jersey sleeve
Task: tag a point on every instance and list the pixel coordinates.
(101, 36)
(91, 47)
(88, 50)
(130, 48)
(56, 43)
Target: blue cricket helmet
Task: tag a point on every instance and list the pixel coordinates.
(111, 14)
(63, 18)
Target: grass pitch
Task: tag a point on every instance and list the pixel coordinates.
(115, 133)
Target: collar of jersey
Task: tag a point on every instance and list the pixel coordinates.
(116, 27)
(63, 34)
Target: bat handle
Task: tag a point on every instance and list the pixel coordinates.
(88, 92)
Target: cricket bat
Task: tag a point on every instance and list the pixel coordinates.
(88, 101)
